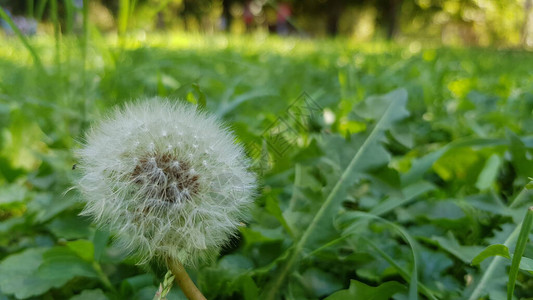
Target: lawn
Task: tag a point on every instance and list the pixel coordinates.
(398, 171)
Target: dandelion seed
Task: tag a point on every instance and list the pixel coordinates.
(168, 179)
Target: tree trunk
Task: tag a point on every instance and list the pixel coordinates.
(391, 15)
(226, 14)
(335, 11)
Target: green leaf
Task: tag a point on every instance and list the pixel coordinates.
(409, 194)
(319, 282)
(35, 271)
(490, 251)
(226, 108)
(348, 221)
(161, 90)
(62, 264)
(18, 274)
(96, 294)
(201, 96)
(249, 288)
(70, 227)
(235, 264)
(47, 205)
(100, 242)
(520, 155)
(134, 284)
(342, 151)
(434, 271)
(435, 211)
(421, 165)
(359, 290)
(272, 207)
(526, 264)
(452, 246)
(488, 174)
(403, 273)
(12, 194)
(83, 248)
(10, 223)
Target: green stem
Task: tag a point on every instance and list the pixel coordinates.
(523, 195)
(41, 5)
(69, 15)
(181, 277)
(103, 277)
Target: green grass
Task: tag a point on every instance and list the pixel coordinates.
(406, 187)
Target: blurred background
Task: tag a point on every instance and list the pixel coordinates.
(448, 22)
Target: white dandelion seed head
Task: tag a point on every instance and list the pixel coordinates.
(167, 178)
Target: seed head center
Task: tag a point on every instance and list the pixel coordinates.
(165, 177)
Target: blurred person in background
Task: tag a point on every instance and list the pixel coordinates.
(283, 15)
(248, 16)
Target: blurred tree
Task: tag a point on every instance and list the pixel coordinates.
(473, 22)
(332, 10)
(388, 16)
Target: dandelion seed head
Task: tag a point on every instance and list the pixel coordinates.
(167, 178)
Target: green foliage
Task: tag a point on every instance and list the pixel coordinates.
(36, 270)
(402, 166)
(359, 290)
(492, 250)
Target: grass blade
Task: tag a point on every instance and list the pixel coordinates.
(84, 47)
(85, 35)
(522, 197)
(29, 5)
(123, 14)
(226, 108)
(22, 38)
(69, 15)
(41, 5)
(527, 224)
(57, 34)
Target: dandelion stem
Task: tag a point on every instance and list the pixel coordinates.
(184, 281)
